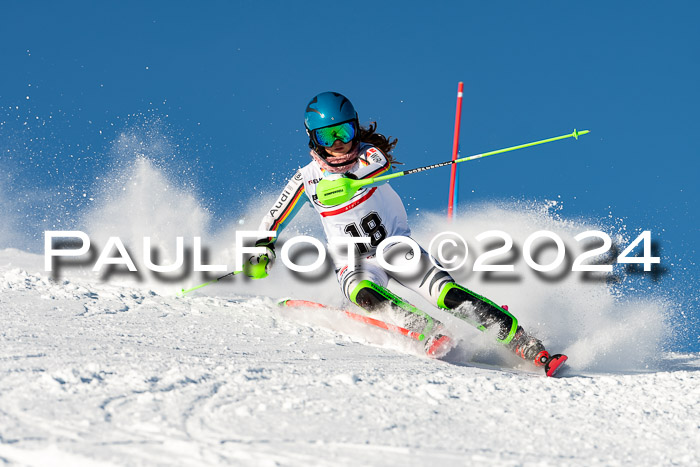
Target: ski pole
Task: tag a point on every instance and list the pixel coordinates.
(254, 271)
(341, 190)
(183, 292)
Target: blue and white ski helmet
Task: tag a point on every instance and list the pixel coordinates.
(328, 108)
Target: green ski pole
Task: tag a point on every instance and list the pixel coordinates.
(339, 191)
(254, 271)
(184, 292)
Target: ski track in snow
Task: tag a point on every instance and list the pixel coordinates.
(100, 374)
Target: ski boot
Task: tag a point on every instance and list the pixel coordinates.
(531, 349)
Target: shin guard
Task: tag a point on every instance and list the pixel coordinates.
(478, 311)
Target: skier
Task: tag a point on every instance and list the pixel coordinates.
(340, 147)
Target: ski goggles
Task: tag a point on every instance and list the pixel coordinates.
(325, 137)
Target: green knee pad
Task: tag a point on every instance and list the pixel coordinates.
(500, 315)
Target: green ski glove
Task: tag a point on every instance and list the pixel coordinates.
(258, 266)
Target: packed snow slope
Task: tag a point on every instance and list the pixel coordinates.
(95, 373)
(114, 369)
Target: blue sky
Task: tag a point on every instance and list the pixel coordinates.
(227, 82)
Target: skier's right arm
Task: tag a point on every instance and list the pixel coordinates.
(285, 207)
(278, 217)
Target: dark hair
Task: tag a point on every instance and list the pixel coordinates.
(379, 141)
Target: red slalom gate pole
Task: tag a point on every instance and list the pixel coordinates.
(455, 151)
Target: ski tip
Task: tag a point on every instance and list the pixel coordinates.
(554, 363)
(438, 347)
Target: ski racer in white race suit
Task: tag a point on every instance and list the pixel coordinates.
(341, 148)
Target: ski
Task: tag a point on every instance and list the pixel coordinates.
(435, 347)
(554, 364)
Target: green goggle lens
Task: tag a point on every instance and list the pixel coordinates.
(344, 132)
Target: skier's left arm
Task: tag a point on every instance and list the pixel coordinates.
(373, 163)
